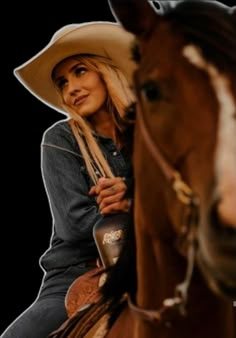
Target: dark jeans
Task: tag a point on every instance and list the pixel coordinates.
(48, 312)
(40, 319)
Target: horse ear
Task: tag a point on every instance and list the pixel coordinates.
(136, 16)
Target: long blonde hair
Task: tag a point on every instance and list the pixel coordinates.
(119, 98)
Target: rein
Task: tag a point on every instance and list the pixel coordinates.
(186, 196)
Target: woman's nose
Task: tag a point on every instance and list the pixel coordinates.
(73, 86)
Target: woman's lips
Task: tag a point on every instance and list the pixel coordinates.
(80, 100)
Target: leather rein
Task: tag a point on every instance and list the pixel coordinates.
(186, 196)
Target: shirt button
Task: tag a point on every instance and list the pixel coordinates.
(114, 153)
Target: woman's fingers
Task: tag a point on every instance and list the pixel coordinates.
(123, 206)
(105, 183)
(110, 194)
(102, 202)
(113, 190)
(107, 187)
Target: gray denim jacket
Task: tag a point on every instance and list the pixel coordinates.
(67, 185)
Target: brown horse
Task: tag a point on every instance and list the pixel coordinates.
(185, 170)
(181, 278)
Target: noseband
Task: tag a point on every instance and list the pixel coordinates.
(188, 230)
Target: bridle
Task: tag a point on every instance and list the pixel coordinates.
(186, 196)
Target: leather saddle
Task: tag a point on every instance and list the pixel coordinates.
(83, 304)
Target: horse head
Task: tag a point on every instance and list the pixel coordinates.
(185, 144)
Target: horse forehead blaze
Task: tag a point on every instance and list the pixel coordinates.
(225, 154)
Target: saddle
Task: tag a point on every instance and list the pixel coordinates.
(83, 305)
(84, 291)
(88, 314)
(91, 322)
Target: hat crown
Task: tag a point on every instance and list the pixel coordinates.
(63, 31)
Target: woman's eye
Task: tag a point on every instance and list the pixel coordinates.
(151, 91)
(61, 84)
(80, 70)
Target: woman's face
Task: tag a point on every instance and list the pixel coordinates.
(82, 89)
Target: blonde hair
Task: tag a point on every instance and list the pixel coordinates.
(119, 98)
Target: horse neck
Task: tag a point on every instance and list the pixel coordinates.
(159, 269)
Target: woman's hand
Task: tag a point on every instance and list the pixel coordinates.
(110, 194)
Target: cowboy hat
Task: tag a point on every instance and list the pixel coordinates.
(107, 39)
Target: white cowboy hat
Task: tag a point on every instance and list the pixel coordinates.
(107, 39)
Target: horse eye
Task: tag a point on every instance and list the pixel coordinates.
(151, 91)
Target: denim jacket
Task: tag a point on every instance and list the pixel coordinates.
(67, 184)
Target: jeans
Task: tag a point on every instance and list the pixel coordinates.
(48, 312)
(41, 318)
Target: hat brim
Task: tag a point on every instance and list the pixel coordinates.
(100, 38)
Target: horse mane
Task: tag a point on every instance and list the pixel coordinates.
(209, 25)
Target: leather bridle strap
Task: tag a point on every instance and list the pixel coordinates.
(183, 191)
(185, 194)
(175, 304)
(154, 316)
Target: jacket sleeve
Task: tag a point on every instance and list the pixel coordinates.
(74, 212)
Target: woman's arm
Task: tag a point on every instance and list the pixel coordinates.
(74, 211)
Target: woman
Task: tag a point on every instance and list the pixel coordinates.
(84, 72)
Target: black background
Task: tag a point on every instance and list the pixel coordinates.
(26, 219)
